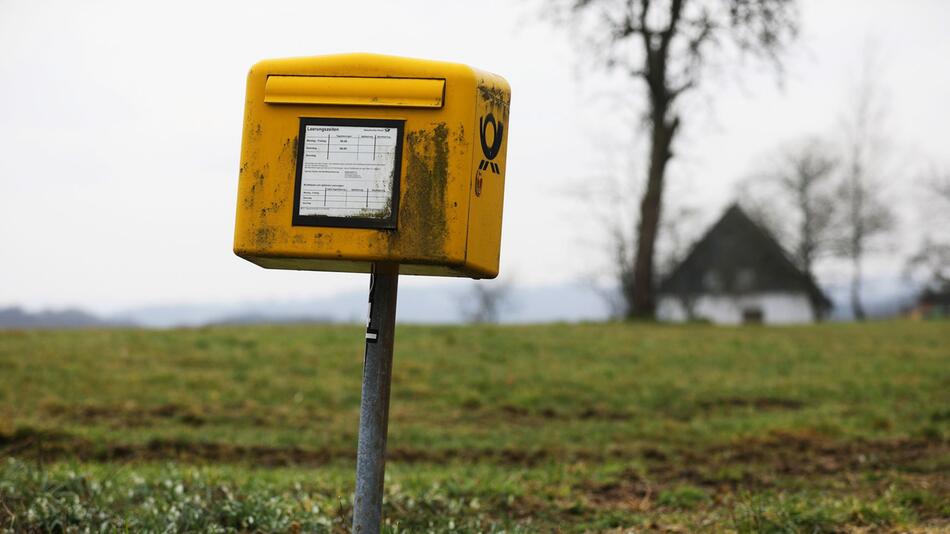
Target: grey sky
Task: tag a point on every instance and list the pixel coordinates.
(121, 126)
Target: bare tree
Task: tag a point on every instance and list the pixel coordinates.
(865, 215)
(794, 199)
(485, 301)
(668, 46)
(610, 206)
(930, 265)
(619, 298)
(611, 201)
(678, 233)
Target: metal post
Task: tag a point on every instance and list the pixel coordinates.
(374, 403)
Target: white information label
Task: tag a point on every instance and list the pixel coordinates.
(348, 171)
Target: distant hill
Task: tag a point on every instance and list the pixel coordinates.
(18, 318)
(435, 304)
(256, 318)
(882, 298)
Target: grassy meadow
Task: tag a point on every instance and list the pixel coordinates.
(541, 428)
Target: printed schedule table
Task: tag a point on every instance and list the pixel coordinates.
(348, 171)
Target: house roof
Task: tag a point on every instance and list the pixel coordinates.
(737, 256)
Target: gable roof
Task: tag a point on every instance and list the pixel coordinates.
(738, 256)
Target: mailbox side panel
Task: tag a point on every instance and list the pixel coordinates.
(487, 194)
(250, 180)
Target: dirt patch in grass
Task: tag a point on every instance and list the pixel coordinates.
(723, 406)
(680, 412)
(779, 454)
(43, 445)
(756, 403)
(510, 412)
(118, 416)
(805, 453)
(134, 416)
(769, 462)
(685, 492)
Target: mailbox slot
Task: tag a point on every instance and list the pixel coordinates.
(353, 91)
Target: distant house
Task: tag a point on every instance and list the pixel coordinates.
(738, 273)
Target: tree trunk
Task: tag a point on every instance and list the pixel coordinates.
(856, 307)
(806, 248)
(642, 298)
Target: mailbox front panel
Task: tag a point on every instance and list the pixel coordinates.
(354, 159)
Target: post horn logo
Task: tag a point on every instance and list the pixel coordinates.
(498, 129)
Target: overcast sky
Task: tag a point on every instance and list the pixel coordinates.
(121, 128)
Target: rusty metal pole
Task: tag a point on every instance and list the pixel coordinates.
(374, 402)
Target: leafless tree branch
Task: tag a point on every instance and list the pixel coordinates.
(865, 216)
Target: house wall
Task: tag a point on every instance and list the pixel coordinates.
(776, 307)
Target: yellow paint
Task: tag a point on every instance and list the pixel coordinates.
(451, 196)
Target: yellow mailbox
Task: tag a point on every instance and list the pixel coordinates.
(355, 159)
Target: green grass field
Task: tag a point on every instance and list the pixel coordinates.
(567, 428)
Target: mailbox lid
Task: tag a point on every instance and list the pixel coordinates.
(363, 65)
